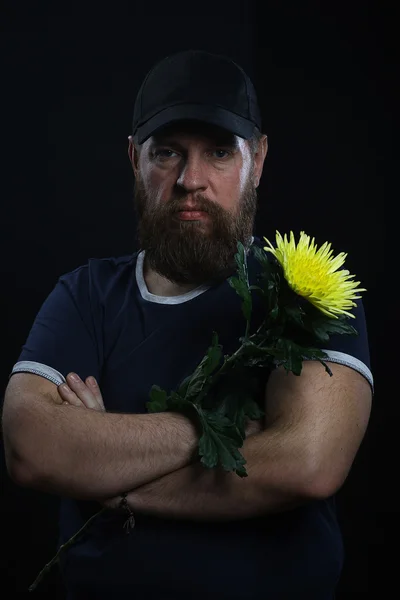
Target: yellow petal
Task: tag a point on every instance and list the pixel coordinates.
(315, 273)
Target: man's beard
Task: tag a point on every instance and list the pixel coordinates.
(190, 252)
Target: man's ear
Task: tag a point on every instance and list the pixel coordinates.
(259, 159)
(133, 155)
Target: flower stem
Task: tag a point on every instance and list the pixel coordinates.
(62, 548)
(238, 352)
(246, 335)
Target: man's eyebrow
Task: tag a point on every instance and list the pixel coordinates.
(230, 141)
(165, 141)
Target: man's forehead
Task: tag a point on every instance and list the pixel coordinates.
(199, 129)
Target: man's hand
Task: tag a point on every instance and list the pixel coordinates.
(253, 427)
(81, 393)
(86, 394)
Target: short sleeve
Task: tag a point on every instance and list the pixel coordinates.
(352, 350)
(63, 336)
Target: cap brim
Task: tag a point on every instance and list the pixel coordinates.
(198, 112)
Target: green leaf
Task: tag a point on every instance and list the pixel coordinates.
(158, 400)
(262, 257)
(273, 315)
(240, 258)
(242, 289)
(293, 358)
(259, 355)
(316, 354)
(196, 384)
(295, 314)
(183, 387)
(252, 410)
(192, 387)
(241, 283)
(324, 327)
(313, 353)
(272, 285)
(213, 357)
(178, 403)
(248, 410)
(218, 446)
(236, 399)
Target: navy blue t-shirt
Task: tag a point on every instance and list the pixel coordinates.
(101, 320)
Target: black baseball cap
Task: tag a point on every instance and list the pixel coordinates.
(194, 84)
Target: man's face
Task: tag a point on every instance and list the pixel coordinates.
(195, 198)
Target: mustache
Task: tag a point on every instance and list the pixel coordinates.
(199, 204)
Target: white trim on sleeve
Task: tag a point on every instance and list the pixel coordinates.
(350, 361)
(29, 366)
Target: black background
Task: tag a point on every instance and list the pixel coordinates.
(69, 80)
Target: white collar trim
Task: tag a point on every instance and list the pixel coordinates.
(146, 295)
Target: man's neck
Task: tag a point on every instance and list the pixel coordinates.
(160, 286)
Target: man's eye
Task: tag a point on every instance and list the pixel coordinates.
(163, 153)
(221, 150)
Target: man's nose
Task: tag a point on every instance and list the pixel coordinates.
(193, 175)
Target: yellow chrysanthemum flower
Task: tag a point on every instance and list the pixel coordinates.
(316, 274)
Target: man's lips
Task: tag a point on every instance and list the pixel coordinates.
(191, 215)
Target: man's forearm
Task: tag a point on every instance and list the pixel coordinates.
(88, 454)
(197, 493)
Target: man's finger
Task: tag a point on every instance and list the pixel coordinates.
(88, 395)
(68, 396)
(92, 384)
(82, 391)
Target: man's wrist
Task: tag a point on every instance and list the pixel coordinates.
(190, 429)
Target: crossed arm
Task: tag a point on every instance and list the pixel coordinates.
(313, 429)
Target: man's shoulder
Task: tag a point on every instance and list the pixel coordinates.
(101, 269)
(102, 276)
